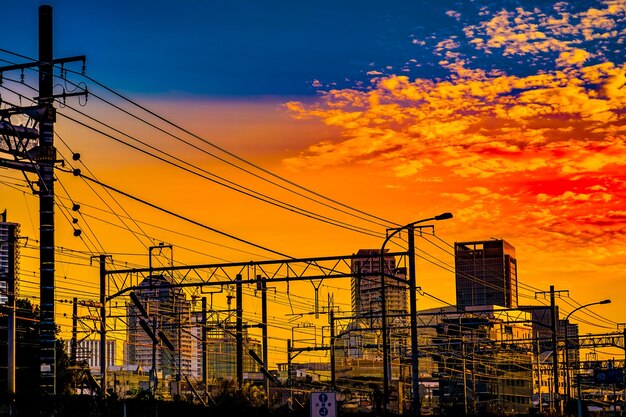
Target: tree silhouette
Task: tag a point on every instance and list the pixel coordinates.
(27, 352)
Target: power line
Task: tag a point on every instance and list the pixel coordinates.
(232, 155)
(222, 181)
(181, 217)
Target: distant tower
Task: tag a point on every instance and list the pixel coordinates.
(170, 311)
(486, 273)
(366, 290)
(365, 344)
(9, 258)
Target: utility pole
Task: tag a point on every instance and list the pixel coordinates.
(383, 308)
(416, 406)
(539, 373)
(464, 372)
(103, 327)
(74, 342)
(554, 320)
(239, 330)
(11, 242)
(333, 367)
(46, 161)
(266, 381)
(41, 161)
(204, 352)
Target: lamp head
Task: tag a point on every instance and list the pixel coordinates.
(605, 302)
(444, 216)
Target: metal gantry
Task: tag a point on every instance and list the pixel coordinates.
(261, 274)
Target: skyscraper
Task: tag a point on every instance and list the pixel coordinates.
(9, 258)
(363, 340)
(366, 290)
(486, 273)
(169, 312)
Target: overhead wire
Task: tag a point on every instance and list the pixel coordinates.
(66, 70)
(112, 197)
(181, 217)
(202, 173)
(187, 132)
(236, 157)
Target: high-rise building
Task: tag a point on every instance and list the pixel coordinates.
(89, 351)
(366, 289)
(569, 331)
(486, 273)
(480, 360)
(360, 347)
(9, 258)
(169, 314)
(221, 349)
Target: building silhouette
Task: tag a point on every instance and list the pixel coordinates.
(221, 350)
(9, 258)
(169, 314)
(366, 288)
(478, 361)
(88, 351)
(360, 346)
(486, 273)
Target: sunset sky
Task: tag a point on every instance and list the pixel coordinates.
(509, 114)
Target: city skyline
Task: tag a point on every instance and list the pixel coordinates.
(510, 118)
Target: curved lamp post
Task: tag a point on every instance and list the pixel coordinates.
(567, 378)
(415, 406)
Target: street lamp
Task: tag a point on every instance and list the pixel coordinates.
(415, 405)
(567, 378)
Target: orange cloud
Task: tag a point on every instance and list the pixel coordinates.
(537, 159)
(529, 32)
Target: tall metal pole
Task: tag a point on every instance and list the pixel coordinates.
(383, 307)
(289, 362)
(103, 327)
(539, 374)
(464, 373)
(624, 339)
(239, 330)
(266, 380)
(12, 245)
(555, 359)
(567, 347)
(204, 352)
(43, 166)
(155, 382)
(566, 366)
(579, 402)
(11, 344)
(45, 160)
(74, 341)
(333, 368)
(415, 399)
(386, 362)
(153, 365)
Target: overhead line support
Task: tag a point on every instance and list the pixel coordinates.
(43, 165)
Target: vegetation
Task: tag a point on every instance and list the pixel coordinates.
(27, 353)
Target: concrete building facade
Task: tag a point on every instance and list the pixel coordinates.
(169, 314)
(9, 259)
(486, 273)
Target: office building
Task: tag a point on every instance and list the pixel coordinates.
(359, 348)
(486, 273)
(366, 289)
(169, 318)
(9, 258)
(568, 331)
(478, 361)
(88, 351)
